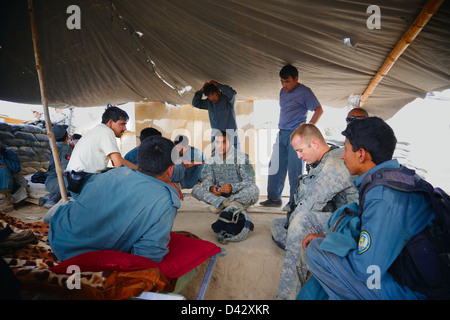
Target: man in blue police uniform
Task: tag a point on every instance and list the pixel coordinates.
(51, 180)
(389, 219)
(123, 209)
(189, 165)
(9, 165)
(145, 133)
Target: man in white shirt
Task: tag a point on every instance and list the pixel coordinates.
(93, 151)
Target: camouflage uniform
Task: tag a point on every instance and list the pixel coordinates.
(235, 170)
(322, 190)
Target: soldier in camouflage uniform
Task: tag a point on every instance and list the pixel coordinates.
(326, 187)
(228, 177)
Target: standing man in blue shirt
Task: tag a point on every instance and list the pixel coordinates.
(296, 100)
(221, 105)
(389, 219)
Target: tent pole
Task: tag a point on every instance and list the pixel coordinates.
(48, 123)
(422, 19)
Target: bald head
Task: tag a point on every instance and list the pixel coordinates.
(356, 114)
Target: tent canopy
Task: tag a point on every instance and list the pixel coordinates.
(164, 51)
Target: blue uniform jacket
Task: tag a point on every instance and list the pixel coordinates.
(132, 155)
(123, 210)
(9, 165)
(188, 177)
(389, 220)
(64, 152)
(10, 160)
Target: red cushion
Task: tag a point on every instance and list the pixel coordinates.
(184, 255)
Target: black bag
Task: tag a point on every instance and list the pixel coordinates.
(75, 181)
(38, 177)
(11, 287)
(424, 263)
(233, 224)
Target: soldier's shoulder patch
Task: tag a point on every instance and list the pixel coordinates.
(364, 242)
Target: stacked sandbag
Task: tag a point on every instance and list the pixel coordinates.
(30, 143)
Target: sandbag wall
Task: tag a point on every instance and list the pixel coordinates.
(30, 143)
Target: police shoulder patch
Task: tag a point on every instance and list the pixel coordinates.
(364, 242)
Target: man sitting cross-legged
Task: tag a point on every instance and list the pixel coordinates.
(228, 177)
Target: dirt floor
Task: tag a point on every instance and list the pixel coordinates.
(28, 212)
(249, 270)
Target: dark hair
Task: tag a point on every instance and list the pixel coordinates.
(113, 113)
(148, 132)
(222, 133)
(155, 155)
(76, 136)
(181, 139)
(63, 138)
(288, 70)
(373, 135)
(210, 89)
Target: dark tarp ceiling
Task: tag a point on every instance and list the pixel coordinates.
(241, 43)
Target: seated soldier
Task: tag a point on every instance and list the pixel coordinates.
(145, 133)
(51, 180)
(9, 165)
(389, 219)
(325, 187)
(189, 164)
(123, 209)
(228, 177)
